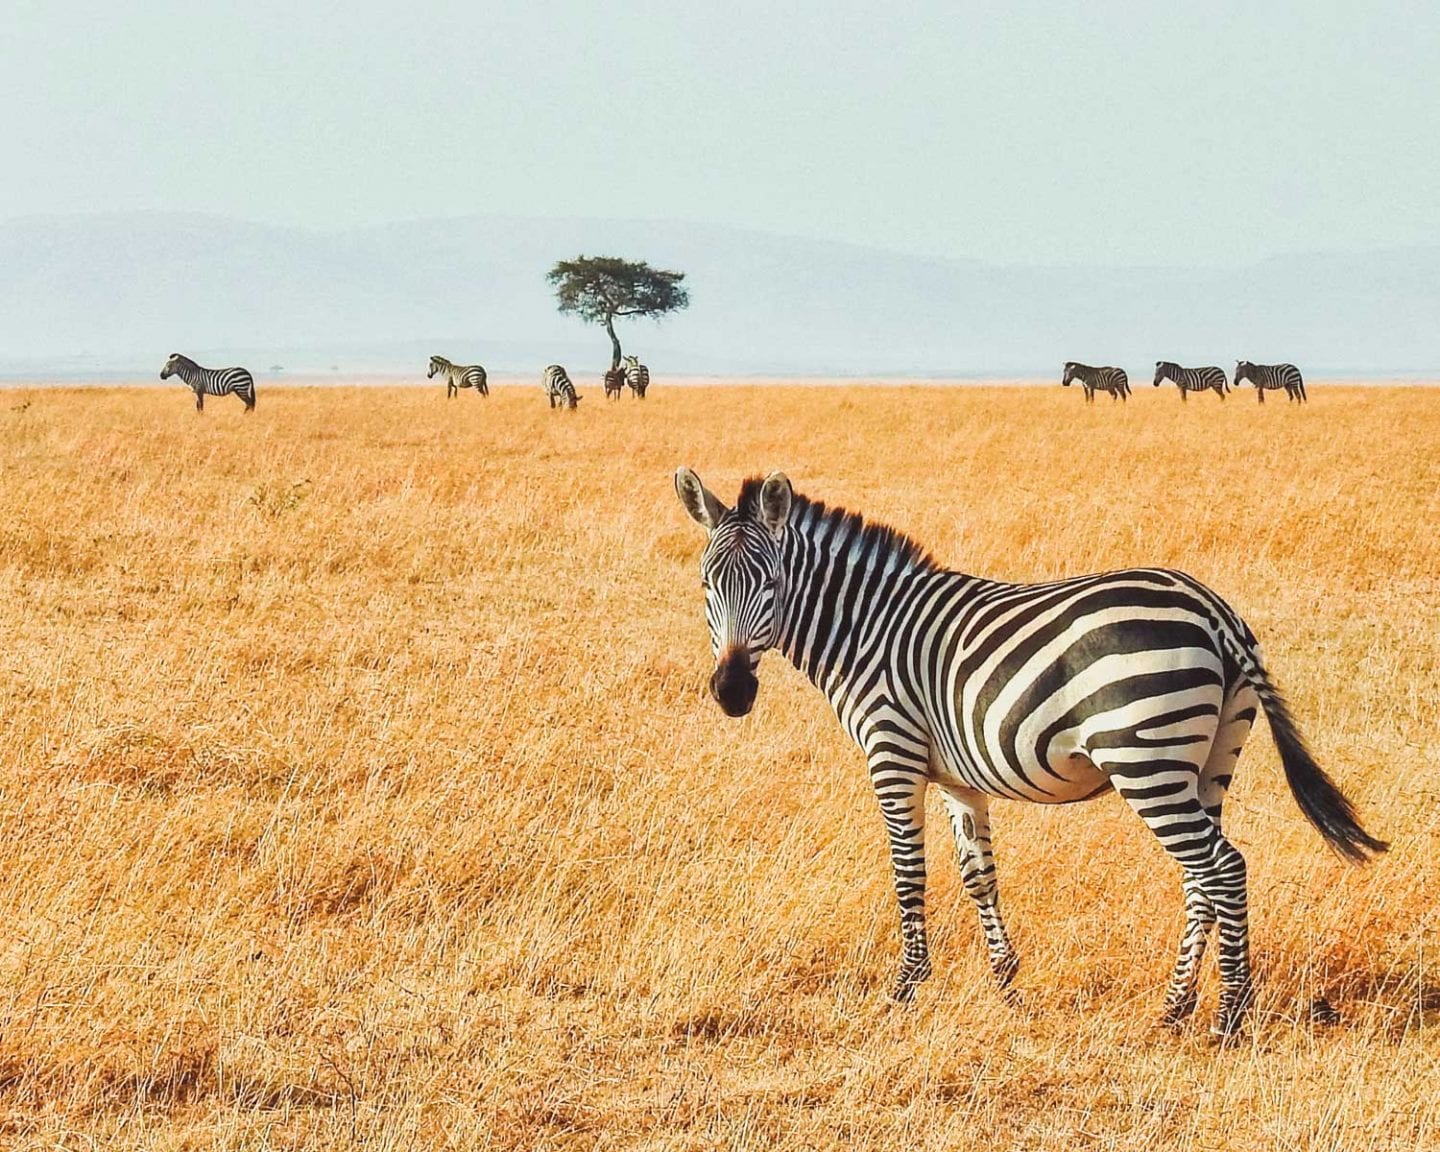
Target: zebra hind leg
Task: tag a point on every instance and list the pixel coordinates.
(1214, 885)
(900, 788)
(970, 821)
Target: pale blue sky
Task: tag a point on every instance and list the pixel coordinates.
(1122, 132)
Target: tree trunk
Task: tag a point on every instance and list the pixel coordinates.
(614, 342)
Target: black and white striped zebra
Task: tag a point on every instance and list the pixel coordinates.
(1191, 379)
(1092, 380)
(458, 376)
(614, 383)
(558, 389)
(1269, 377)
(211, 381)
(637, 376)
(1142, 680)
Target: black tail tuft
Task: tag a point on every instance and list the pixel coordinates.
(1324, 805)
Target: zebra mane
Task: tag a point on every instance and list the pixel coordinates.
(863, 534)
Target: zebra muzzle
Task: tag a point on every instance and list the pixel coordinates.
(733, 684)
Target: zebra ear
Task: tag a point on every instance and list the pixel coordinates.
(775, 498)
(699, 501)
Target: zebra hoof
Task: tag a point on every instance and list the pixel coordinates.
(1005, 969)
(1177, 1011)
(1230, 1020)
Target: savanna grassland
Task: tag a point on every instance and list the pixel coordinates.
(359, 786)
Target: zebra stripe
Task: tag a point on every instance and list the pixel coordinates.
(614, 383)
(558, 389)
(211, 381)
(637, 376)
(458, 376)
(1141, 680)
(1269, 377)
(1092, 380)
(1191, 379)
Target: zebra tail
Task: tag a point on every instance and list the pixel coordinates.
(1319, 798)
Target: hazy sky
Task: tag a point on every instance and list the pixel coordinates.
(1006, 132)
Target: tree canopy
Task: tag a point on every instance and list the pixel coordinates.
(600, 288)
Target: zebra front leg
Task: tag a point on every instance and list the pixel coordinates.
(900, 787)
(199, 400)
(970, 819)
(1260, 393)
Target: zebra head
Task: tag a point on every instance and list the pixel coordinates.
(742, 572)
(172, 365)
(1070, 369)
(1164, 368)
(632, 361)
(1243, 370)
(437, 364)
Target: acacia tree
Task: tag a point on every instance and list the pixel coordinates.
(600, 288)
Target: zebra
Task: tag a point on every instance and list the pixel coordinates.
(458, 376)
(211, 381)
(558, 389)
(1191, 379)
(1092, 380)
(1140, 680)
(1271, 377)
(637, 376)
(614, 383)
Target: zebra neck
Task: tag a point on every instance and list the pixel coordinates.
(840, 582)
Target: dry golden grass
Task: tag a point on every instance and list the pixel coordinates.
(360, 786)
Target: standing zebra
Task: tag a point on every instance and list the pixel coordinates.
(1270, 377)
(614, 383)
(211, 381)
(558, 389)
(1142, 680)
(1191, 379)
(637, 376)
(458, 376)
(1092, 380)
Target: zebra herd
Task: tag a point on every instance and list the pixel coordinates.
(559, 389)
(1142, 680)
(1265, 377)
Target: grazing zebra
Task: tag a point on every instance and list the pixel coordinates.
(1092, 380)
(1140, 680)
(558, 389)
(614, 383)
(211, 381)
(637, 376)
(1191, 379)
(458, 376)
(1270, 377)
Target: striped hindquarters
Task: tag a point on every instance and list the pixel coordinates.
(637, 376)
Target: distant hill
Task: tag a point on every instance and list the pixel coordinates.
(118, 292)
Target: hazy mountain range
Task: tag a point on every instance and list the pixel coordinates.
(116, 293)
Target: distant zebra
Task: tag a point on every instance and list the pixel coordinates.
(614, 383)
(1092, 380)
(558, 389)
(211, 381)
(1141, 681)
(1191, 379)
(458, 376)
(1270, 377)
(637, 376)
